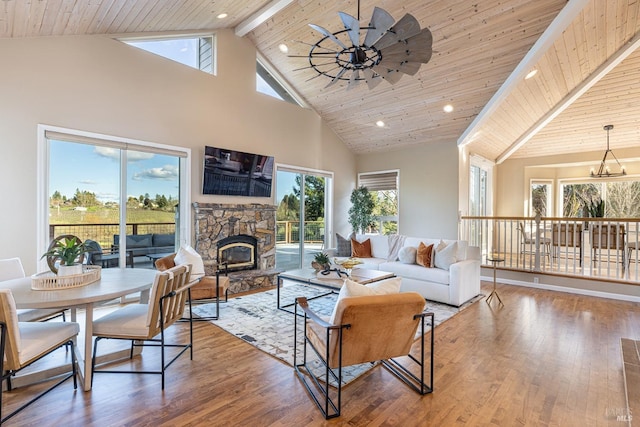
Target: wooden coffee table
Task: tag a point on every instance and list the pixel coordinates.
(309, 276)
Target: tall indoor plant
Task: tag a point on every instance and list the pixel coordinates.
(361, 211)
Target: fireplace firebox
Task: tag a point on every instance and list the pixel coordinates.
(237, 252)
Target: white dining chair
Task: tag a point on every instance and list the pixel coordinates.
(11, 268)
(145, 324)
(22, 343)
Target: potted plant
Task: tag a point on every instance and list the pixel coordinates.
(321, 261)
(361, 211)
(69, 250)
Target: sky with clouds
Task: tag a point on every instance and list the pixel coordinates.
(97, 170)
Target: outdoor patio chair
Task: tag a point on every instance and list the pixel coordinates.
(207, 288)
(22, 343)
(143, 323)
(11, 268)
(365, 329)
(106, 258)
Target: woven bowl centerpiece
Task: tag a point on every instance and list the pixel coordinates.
(348, 264)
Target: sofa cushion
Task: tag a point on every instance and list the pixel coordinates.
(417, 272)
(461, 254)
(361, 250)
(355, 289)
(139, 241)
(344, 245)
(424, 255)
(379, 244)
(168, 239)
(446, 256)
(407, 255)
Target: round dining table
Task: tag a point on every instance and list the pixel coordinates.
(114, 283)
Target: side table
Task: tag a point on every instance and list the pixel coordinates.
(494, 261)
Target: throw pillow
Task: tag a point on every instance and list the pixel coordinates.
(354, 289)
(386, 286)
(424, 255)
(441, 245)
(187, 255)
(407, 255)
(344, 245)
(361, 250)
(447, 256)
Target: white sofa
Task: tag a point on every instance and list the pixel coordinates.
(454, 286)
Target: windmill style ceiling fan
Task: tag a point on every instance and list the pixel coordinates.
(389, 49)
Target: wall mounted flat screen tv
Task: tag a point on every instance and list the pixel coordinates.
(235, 173)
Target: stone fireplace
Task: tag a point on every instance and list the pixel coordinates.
(217, 225)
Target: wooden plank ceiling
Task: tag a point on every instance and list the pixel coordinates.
(584, 52)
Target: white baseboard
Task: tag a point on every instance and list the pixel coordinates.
(571, 290)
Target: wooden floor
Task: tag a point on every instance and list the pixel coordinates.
(545, 358)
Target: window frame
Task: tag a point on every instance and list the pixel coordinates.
(165, 37)
(282, 88)
(550, 196)
(383, 175)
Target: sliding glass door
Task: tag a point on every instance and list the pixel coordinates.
(123, 197)
(301, 216)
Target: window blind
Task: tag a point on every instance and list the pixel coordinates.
(379, 181)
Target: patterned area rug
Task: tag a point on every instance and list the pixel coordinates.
(255, 319)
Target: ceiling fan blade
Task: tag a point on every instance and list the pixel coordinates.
(390, 75)
(409, 67)
(336, 78)
(353, 27)
(326, 33)
(354, 80)
(393, 77)
(405, 67)
(406, 27)
(381, 21)
(415, 49)
(371, 79)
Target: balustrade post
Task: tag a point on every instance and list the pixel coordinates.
(536, 266)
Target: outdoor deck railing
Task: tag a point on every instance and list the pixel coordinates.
(103, 233)
(603, 248)
(289, 231)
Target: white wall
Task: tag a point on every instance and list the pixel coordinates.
(428, 191)
(514, 175)
(96, 84)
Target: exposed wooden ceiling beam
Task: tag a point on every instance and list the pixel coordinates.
(261, 16)
(552, 33)
(572, 96)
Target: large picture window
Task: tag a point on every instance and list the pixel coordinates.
(126, 197)
(611, 199)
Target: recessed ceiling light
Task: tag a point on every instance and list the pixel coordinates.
(448, 108)
(222, 16)
(531, 74)
(283, 48)
(380, 123)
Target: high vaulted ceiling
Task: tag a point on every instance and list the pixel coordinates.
(584, 51)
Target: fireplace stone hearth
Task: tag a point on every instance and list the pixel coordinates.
(215, 222)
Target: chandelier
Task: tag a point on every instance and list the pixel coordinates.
(389, 49)
(604, 171)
